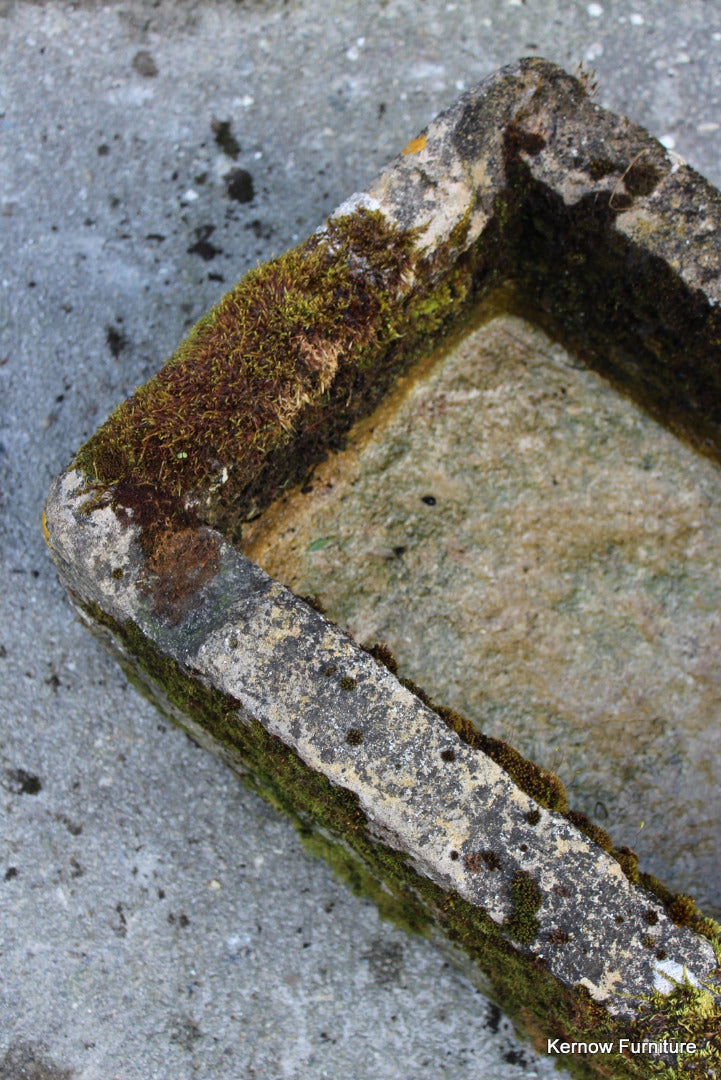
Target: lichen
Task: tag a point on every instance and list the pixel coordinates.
(548, 790)
(331, 824)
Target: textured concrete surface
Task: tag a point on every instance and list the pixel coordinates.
(134, 896)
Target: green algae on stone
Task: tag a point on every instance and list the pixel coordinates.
(331, 823)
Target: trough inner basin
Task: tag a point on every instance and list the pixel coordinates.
(543, 557)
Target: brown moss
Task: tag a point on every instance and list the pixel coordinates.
(238, 386)
(628, 861)
(314, 602)
(592, 831)
(475, 861)
(179, 565)
(382, 654)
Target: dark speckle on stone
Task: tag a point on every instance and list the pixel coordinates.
(239, 185)
(116, 340)
(225, 138)
(641, 177)
(385, 960)
(260, 229)
(11, 872)
(22, 782)
(144, 64)
(103, 150)
(185, 1033)
(202, 245)
(493, 1019)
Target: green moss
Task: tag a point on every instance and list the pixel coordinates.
(526, 899)
(628, 861)
(276, 374)
(689, 1014)
(592, 831)
(353, 873)
(331, 824)
(236, 389)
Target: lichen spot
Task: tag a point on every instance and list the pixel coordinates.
(414, 146)
(44, 527)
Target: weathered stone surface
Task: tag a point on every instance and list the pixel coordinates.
(541, 556)
(523, 178)
(425, 792)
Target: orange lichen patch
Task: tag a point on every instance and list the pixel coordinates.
(181, 563)
(415, 146)
(44, 527)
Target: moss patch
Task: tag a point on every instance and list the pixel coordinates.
(526, 898)
(689, 1014)
(332, 824)
(276, 374)
(272, 346)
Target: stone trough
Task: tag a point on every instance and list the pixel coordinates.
(379, 419)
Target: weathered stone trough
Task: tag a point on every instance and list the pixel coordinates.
(524, 197)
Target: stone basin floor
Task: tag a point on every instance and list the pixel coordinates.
(543, 557)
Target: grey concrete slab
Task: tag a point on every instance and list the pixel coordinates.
(158, 920)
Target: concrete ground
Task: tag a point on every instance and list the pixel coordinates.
(156, 919)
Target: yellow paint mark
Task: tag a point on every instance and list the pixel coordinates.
(415, 146)
(46, 531)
